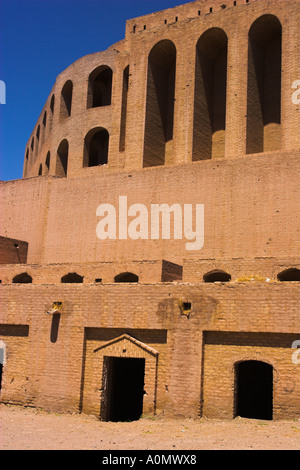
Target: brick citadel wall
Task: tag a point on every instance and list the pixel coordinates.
(195, 106)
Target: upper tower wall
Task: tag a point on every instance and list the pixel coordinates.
(186, 84)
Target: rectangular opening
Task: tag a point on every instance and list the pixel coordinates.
(124, 388)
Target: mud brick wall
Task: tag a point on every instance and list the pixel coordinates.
(13, 251)
(64, 372)
(245, 217)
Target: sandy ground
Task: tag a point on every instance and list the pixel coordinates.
(31, 429)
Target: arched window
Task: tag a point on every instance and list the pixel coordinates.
(124, 109)
(52, 102)
(96, 145)
(126, 277)
(47, 163)
(32, 144)
(44, 127)
(72, 278)
(217, 276)
(62, 159)
(264, 85)
(289, 275)
(23, 278)
(40, 170)
(66, 100)
(100, 87)
(210, 95)
(38, 131)
(158, 141)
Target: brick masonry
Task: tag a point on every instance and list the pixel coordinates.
(55, 337)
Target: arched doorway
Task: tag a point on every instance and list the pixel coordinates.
(254, 390)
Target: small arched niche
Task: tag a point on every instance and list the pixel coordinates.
(72, 278)
(23, 278)
(289, 275)
(126, 277)
(217, 275)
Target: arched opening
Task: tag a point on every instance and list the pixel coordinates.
(62, 159)
(40, 170)
(210, 95)
(264, 85)
(66, 100)
(217, 276)
(44, 127)
(52, 102)
(96, 145)
(289, 275)
(23, 278)
(124, 109)
(32, 144)
(126, 277)
(158, 140)
(47, 163)
(72, 278)
(100, 87)
(254, 390)
(38, 131)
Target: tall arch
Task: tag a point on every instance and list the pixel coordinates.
(100, 87)
(62, 158)
(264, 85)
(37, 135)
(124, 109)
(158, 139)
(47, 163)
(96, 145)
(66, 100)
(209, 127)
(51, 114)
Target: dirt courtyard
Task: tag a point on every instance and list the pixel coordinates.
(31, 429)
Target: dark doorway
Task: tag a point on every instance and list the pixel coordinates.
(1, 371)
(125, 388)
(254, 392)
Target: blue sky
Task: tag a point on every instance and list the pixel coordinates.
(38, 40)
